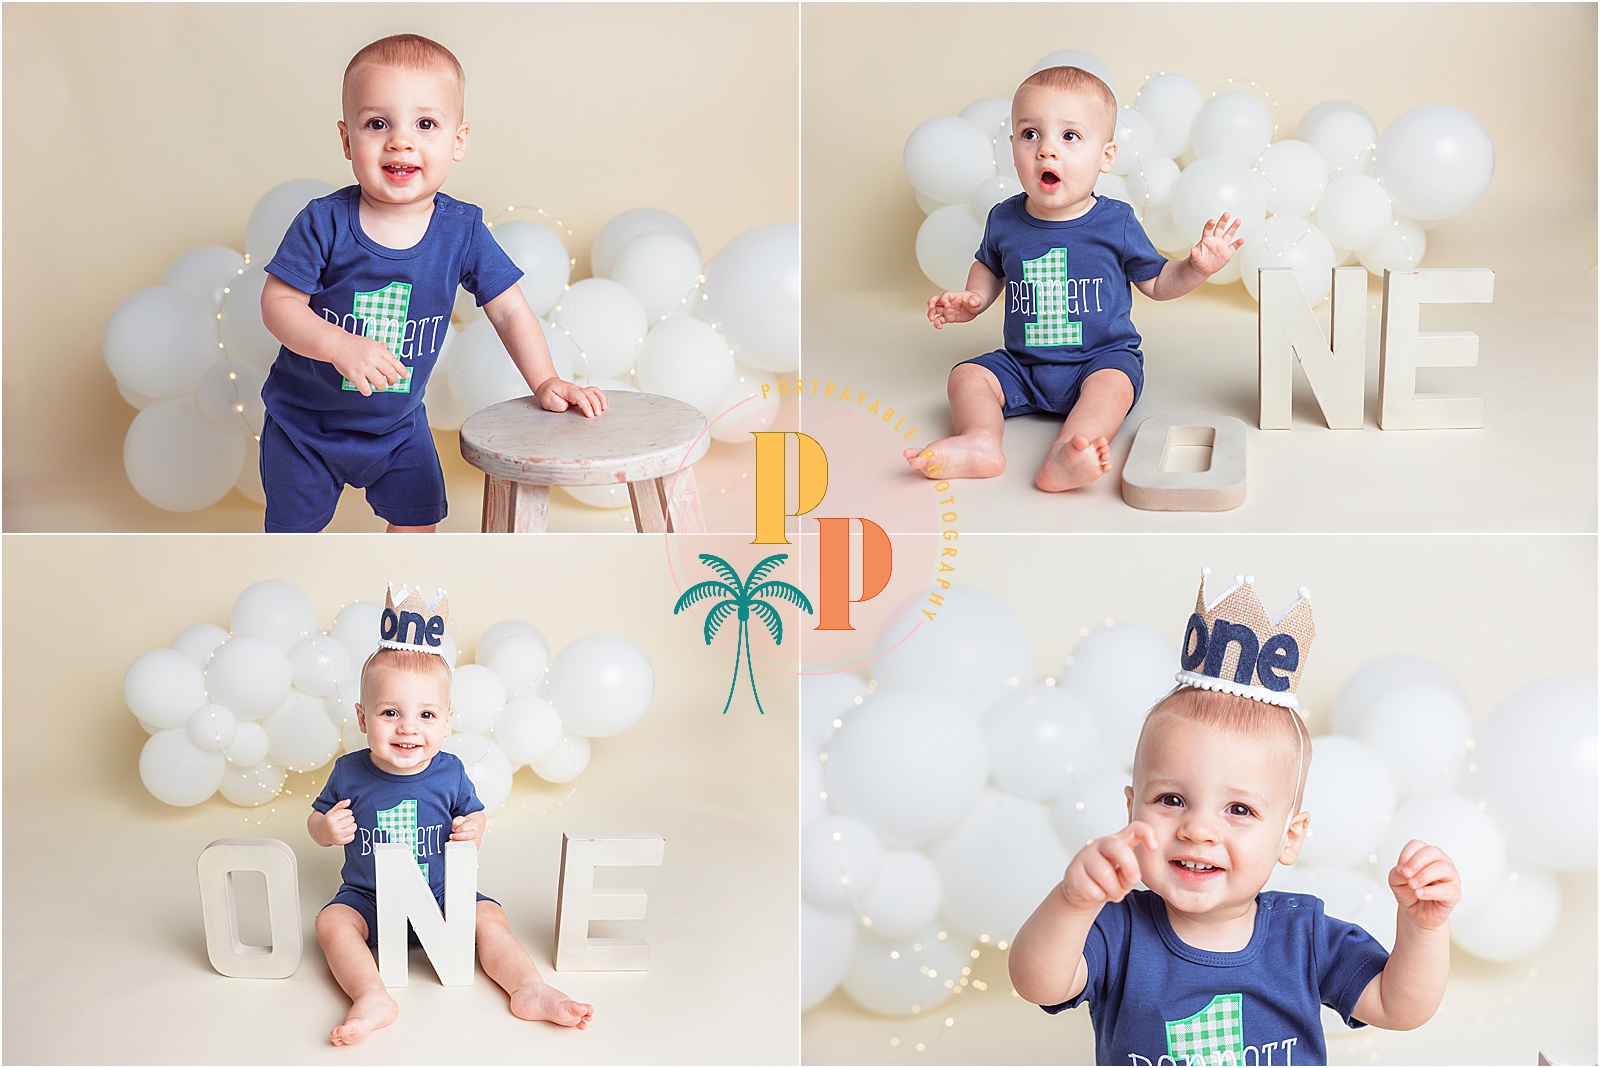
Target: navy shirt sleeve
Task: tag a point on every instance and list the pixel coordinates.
(304, 251)
(988, 252)
(1347, 958)
(487, 271)
(333, 790)
(1141, 260)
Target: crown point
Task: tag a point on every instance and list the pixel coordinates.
(1205, 571)
(1305, 594)
(1250, 579)
(1238, 579)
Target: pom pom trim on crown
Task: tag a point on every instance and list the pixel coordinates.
(410, 621)
(1232, 646)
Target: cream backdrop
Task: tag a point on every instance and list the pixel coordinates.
(136, 133)
(873, 72)
(101, 905)
(1500, 613)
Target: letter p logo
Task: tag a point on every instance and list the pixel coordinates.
(811, 467)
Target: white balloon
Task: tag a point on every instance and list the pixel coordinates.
(520, 660)
(987, 112)
(255, 785)
(318, 662)
(1401, 247)
(1071, 57)
(179, 460)
(1354, 211)
(528, 730)
(245, 338)
(750, 405)
(1038, 739)
(1170, 102)
(1350, 896)
(481, 372)
(178, 772)
(686, 359)
(1383, 674)
(212, 728)
(356, 628)
(813, 795)
(300, 736)
(137, 400)
(477, 694)
(945, 158)
(827, 942)
(628, 225)
(1435, 162)
(160, 341)
(274, 610)
(205, 272)
(752, 292)
(1232, 272)
(907, 763)
(661, 269)
(1294, 243)
(1000, 141)
(606, 321)
(990, 192)
(248, 675)
(998, 865)
(1328, 107)
(825, 700)
(1136, 142)
(904, 898)
(975, 652)
(1151, 183)
(1113, 186)
(1421, 731)
(1465, 833)
(1517, 916)
(198, 642)
(1119, 673)
(1163, 231)
(163, 688)
(1093, 805)
(908, 975)
(946, 243)
(342, 700)
(352, 739)
(270, 218)
(1345, 138)
(249, 481)
(545, 262)
(1295, 175)
(502, 630)
(928, 204)
(601, 685)
(229, 394)
(443, 410)
(566, 761)
(487, 766)
(1207, 188)
(839, 861)
(1349, 793)
(1537, 757)
(249, 745)
(1232, 125)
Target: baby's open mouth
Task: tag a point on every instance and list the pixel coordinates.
(1194, 865)
(406, 745)
(1049, 180)
(401, 170)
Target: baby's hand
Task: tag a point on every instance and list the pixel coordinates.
(1106, 869)
(465, 829)
(1216, 246)
(339, 824)
(1425, 883)
(959, 307)
(368, 365)
(557, 395)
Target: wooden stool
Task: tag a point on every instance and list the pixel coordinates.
(642, 439)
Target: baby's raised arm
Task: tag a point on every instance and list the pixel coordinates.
(1408, 991)
(519, 331)
(962, 306)
(364, 362)
(1047, 963)
(333, 827)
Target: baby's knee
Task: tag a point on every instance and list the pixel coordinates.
(490, 912)
(336, 921)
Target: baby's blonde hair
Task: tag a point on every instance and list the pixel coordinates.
(411, 661)
(1236, 715)
(409, 51)
(1074, 80)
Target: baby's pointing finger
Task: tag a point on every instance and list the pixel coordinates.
(1139, 831)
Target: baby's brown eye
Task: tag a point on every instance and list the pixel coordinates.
(1237, 809)
(1170, 800)
(376, 124)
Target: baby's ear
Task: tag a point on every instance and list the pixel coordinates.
(1111, 157)
(1295, 838)
(361, 718)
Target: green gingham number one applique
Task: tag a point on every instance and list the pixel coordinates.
(1051, 328)
(399, 824)
(1214, 1035)
(384, 312)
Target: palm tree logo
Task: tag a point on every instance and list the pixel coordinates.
(745, 597)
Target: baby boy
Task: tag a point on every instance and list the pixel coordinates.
(360, 293)
(1061, 258)
(404, 776)
(1204, 967)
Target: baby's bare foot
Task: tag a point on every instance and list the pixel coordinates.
(969, 456)
(368, 1013)
(540, 1001)
(1075, 463)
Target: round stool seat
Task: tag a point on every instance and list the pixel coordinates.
(644, 440)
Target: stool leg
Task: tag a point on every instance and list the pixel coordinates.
(649, 506)
(683, 505)
(514, 507)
